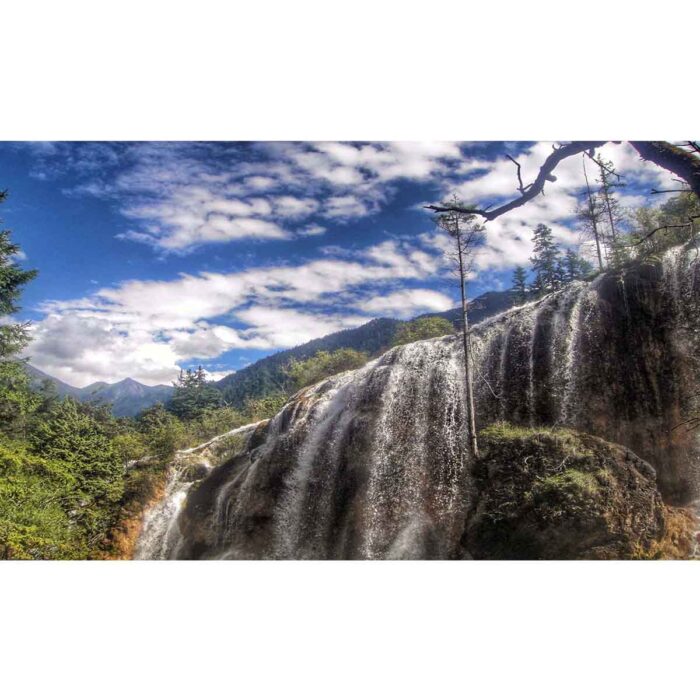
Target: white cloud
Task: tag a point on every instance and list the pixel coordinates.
(146, 329)
(509, 237)
(280, 327)
(178, 196)
(407, 303)
(345, 207)
(312, 230)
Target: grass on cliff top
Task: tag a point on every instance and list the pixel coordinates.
(565, 438)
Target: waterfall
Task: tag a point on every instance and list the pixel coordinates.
(159, 533)
(373, 463)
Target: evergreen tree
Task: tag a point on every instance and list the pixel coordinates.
(72, 436)
(17, 401)
(324, 364)
(572, 265)
(422, 329)
(13, 336)
(520, 284)
(545, 260)
(193, 395)
(575, 267)
(162, 432)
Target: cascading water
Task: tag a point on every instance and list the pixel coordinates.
(160, 534)
(373, 463)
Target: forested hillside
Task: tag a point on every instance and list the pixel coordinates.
(268, 375)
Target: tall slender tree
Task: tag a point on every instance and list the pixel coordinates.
(609, 182)
(520, 284)
(591, 215)
(545, 260)
(467, 235)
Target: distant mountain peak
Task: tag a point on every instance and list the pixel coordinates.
(127, 397)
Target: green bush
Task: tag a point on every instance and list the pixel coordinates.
(422, 329)
(324, 364)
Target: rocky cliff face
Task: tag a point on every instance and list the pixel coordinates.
(373, 463)
(618, 357)
(558, 494)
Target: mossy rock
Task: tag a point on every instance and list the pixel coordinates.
(558, 494)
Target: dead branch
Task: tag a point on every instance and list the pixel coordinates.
(667, 226)
(521, 187)
(600, 164)
(672, 158)
(666, 155)
(545, 175)
(655, 191)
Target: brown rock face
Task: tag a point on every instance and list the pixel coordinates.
(558, 494)
(373, 463)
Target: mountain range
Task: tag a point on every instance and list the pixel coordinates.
(129, 397)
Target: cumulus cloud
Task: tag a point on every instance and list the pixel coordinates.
(407, 303)
(178, 196)
(146, 328)
(509, 237)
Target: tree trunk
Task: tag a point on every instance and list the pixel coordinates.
(666, 155)
(466, 342)
(594, 223)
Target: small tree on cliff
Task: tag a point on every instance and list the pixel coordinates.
(545, 260)
(609, 182)
(467, 235)
(520, 284)
(422, 329)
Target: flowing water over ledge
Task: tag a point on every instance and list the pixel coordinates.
(160, 532)
(373, 463)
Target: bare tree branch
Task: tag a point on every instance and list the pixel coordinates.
(535, 188)
(666, 155)
(667, 226)
(601, 165)
(684, 189)
(521, 187)
(672, 158)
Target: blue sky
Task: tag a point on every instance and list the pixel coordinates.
(155, 256)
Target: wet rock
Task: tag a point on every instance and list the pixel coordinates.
(559, 494)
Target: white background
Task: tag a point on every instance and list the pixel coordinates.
(360, 70)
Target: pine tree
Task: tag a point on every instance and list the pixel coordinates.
(17, 401)
(575, 267)
(13, 336)
(520, 284)
(193, 395)
(545, 260)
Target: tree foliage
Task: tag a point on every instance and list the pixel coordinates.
(324, 364)
(422, 329)
(13, 336)
(194, 395)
